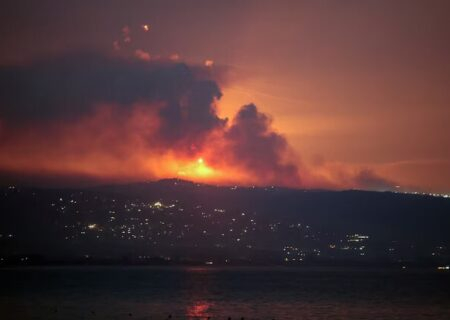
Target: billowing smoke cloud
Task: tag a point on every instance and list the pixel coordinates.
(127, 119)
(89, 108)
(368, 179)
(68, 87)
(254, 145)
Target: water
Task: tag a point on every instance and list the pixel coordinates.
(219, 293)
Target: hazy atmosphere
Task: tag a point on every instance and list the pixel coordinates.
(310, 94)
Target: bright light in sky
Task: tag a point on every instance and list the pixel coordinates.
(197, 169)
(209, 63)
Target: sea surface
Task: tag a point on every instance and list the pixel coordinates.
(220, 293)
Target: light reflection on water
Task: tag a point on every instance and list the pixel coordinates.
(199, 293)
(199, 309)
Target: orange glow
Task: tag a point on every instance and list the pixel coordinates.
(196, 170)
(126, 31)
(209, 63)
(108, 146)
(365, 90)
(142, 55)
(174, 57)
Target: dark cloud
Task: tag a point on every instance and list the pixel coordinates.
(262, 151)
(194, 114)
(368, 179)
(49, 111)
(68, 90)
(67, 87)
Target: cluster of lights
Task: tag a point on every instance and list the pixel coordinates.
(156, 222)
(357, 238)
(429, 194)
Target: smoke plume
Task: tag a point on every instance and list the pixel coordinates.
(129, 119)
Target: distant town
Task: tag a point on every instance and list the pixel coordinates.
(166, 223)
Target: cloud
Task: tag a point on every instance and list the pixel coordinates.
(260, 150)
(368, 179)
(101, 115)
(143, 55)
(124, 119)
(66, 88)
(340, 175)
(126, 34)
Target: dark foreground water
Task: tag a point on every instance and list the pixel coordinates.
(219, 293)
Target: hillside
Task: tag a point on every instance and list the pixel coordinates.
(180, 222)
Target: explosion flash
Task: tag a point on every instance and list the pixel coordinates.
(197, 170)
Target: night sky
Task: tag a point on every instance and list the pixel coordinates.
(309, 94)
